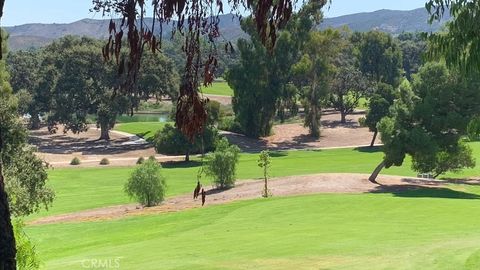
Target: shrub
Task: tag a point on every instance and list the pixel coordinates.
(146, 184)
(473, 129)
(222, 163)
(170, 141)
(140, 160)
(27, 257)
(230, 124)
(152, 158)
(104, 161)
(213, 112)
(75, 161)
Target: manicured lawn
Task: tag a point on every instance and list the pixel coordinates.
(218, 88)
(86, 188)
(410, 230)
(145, 130)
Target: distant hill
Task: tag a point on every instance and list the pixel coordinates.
(391, 21)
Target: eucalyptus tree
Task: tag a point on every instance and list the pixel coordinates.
(315, 70)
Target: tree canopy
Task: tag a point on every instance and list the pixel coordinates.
(428, 121)
(460, 43)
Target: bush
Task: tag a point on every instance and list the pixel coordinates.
(27, 257)
(230, 124)
(146, 184)
(170, 141)
(152, 158)
(104, 161)
(213, 112)
(222, 163)
(140, 160)
(75, 161)
(473, 129)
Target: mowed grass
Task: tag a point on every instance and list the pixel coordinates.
(220, 88)
(411, 230)
(144, 130)
(85, 188)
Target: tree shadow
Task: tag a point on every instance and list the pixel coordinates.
(368, 149)
(279, 154)
(181, 164)
(143, 134)
(414, 191)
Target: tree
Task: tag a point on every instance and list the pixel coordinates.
(171, 141)
(262, 80)
(459, 44)
(25, 70)
(473, 129)
(314, 70)
(378, 107)
(158, 77)
(380, 57)
(264, 162)
(348, 87)
(27, 257)
(413, 46)
(12, 136)
(429, 121)
(146, 184)
(26, 183)
(222, 164)
(84, 86)
(256, 82)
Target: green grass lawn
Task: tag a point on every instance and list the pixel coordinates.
(145, 130)
(218, 88)
(410, 230)
(86, 188)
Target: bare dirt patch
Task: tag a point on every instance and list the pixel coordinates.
(58, 149)
(296, 136)
(224, 100)
(252, 189)
(124, 149)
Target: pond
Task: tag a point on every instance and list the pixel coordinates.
(143, 117)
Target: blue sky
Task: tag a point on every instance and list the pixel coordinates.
(64, 11)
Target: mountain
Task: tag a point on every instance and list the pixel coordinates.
(391, 21)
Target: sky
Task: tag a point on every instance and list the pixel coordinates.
(18, 12)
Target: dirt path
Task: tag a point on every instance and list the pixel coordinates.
(245, 190)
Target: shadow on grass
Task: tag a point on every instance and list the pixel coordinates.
(279, 154)
(413, 191)
(181, 164)
(368, 149)
(143, 134)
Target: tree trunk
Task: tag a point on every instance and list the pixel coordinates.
(187, 155)
(7, 238)
(374, 138)
(373, 177)
(104, 132)
(344, 116)
(35, 121)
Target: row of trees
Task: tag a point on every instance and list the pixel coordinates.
(318, 69)
(66, 82)
(421, 109)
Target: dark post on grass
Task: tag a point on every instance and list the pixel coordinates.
(264, 162)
